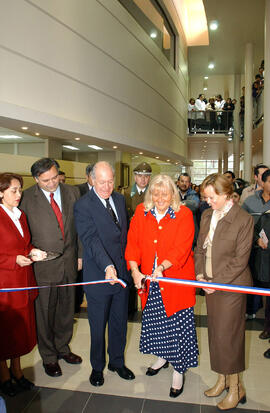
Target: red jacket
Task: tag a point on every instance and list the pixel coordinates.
(169, 239)
(11, 274)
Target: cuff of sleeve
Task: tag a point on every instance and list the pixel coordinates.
(110, 265)
(199, 277)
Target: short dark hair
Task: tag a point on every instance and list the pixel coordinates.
(89, 168)
(61, 173)
(184, 174)
(43, 165)
(5, 181)
(231, 173)
(259, 166)
(265, 175)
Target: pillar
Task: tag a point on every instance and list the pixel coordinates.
(266, 128)
(248, 125)
(220, 164)
(225, 161)
(236, 135)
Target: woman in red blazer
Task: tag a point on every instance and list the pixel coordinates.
(159, 244)
(17, 318)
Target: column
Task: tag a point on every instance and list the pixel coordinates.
(220, 164)
(236, 136)
(225, 161)
(248, 111)
(266, 128)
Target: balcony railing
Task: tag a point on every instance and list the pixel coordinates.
(210, 121)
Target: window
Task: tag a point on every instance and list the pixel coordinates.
(152, 18)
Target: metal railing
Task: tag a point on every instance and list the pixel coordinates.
(210, 121)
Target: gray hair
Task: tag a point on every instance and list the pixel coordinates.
(97, 164)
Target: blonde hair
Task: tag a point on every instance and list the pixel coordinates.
(166, 182)
(220, 184)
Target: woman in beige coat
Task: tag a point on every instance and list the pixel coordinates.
(221, 256)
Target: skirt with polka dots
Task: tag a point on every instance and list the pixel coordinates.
(172, 338)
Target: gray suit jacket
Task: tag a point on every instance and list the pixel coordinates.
(46, 234)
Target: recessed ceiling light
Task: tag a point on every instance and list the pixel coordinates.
(77, 139)
(37, 133)
(211, 66)
(157, 157)
(73, 148)
(205, 88)
(141, 153)
(168, 160)
(204, 146)
(24, 127)
(10, 137)
(153, 35)
(213, 25)
(115, 147)
(97, 148)
(260, 140)
(205, 141)
(205, 77)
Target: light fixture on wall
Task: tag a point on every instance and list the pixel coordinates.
(213, 25)
(153, 34)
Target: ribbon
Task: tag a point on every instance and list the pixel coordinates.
(242, 289)
(119, 281)
(214, 286)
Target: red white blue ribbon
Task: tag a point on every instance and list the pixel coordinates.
(185, 283)
(7, 290)
(214, 286)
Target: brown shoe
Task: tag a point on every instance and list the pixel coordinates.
(264, 335)
(52, 369)
(71, 358)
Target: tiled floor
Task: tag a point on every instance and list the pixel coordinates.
(72, 392)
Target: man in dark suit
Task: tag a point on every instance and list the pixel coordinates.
(101, 222)
(49, 210)
(87, 186)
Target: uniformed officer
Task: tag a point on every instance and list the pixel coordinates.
(135, 195)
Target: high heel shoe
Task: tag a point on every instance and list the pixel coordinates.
(8, 388)
(22, 382)
(153, 372)
(176, 392)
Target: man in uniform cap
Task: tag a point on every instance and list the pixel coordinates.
(135, 195)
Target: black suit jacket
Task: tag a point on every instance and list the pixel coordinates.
(103, 241)
(83, 188)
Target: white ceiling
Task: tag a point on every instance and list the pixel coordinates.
(240, 22)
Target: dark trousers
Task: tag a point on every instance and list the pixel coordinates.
(111, 309)
(54, 317)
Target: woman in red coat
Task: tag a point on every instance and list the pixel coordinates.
(159, 243)
(17, 318)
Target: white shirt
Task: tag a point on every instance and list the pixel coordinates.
(104, 202)
(89, 186)
(15, 215)
(140, 189)
(56, 196)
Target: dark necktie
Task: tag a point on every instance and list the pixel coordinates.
(58, 213)
(111, 211)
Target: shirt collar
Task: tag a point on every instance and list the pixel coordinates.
(170, 212)
(16, 213)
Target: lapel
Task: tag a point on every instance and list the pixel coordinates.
(42, 203)
(11, 227)
(65, 201)
(100, 207)
(118, 208)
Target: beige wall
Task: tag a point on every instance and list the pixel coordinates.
(87, 66)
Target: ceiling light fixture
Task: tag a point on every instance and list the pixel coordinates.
(153, 35)
(205, 77)
(37, 133)
(157, 157)
(168, 160)
(77, 139)
(141, 153)
(115, 147)
(211, 66)
(24, 127)
(73, 148)
(205, 88)
(97, 148)
(213, 25)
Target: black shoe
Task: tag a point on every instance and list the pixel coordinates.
(71, 358)
(96, 378)
(9, 388)
(123, 372)
(153, 372)
(52, 369)
(22, 383)
(176, 392)
(267, 354)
